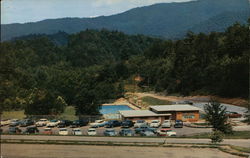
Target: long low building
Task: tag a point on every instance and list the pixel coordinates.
(163, 112)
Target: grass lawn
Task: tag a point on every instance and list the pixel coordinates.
(235, 135)
(154, 101)
(13, 114)
(243, 149)
(69, 114)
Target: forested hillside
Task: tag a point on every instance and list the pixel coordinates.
(42, 76)
(168, 20)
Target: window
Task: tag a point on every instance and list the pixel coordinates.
(188, 116)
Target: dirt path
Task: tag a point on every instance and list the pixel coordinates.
(85, 151)
(233, 101)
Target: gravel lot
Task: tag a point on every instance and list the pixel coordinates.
(233, 108)
(82, 151)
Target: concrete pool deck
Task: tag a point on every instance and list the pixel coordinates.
(122, 101)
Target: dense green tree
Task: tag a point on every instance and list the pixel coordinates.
(216, 116)
(42, 102)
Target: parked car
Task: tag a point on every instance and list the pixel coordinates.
(144, 128)
(184, 102)
(31, 130)
(42, 122)
(126, 132)
(5, 122)
(178, 124)
(140, 123)
(147, 133)
(166, 124)
(92, 132)
(26, 122)
(166, 132)
(79, 123)
(47, 131)
(113, 123)
(64, 123)
(110, 132)
(14, 122)
(98, 123)
(231, 114)
(76, 131)
(127, 124)
(14, 130)
(155, 123)
(63, 131)
(53, 123)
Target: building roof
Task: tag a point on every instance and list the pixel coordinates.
(140, 113)
(175, 107)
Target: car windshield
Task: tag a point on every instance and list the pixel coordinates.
(127, 131)
(91, 130)
(148, 131)
(140, 121)
(53, 121)
(110, 131)
(43, 120)
(156, 121)
(12, 129)
(77, 130)
(47, 129)
(64, 129)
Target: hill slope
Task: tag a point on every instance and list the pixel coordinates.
(169, 20)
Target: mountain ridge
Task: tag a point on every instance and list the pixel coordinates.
(168, 20)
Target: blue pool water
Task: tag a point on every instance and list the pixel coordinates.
(113, 109)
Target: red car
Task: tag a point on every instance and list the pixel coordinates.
(233, 114)
(47, 131)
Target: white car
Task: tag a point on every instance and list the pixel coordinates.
(166, 132)
(76, 131)
(98, 123)
(63, 131)
(92, 132)
(42, 122)
(5, 122)
(140, 123)
(14, 122)
(155, 124)
(166, 124)
(53, 123)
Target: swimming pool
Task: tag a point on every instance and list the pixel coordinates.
(113, 109)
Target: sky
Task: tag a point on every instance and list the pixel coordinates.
(22, 11)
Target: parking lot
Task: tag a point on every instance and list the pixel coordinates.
(185, 131)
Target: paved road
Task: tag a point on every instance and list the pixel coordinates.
(236, 142)
(85, 151)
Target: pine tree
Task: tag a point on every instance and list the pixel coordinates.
(216, 116)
